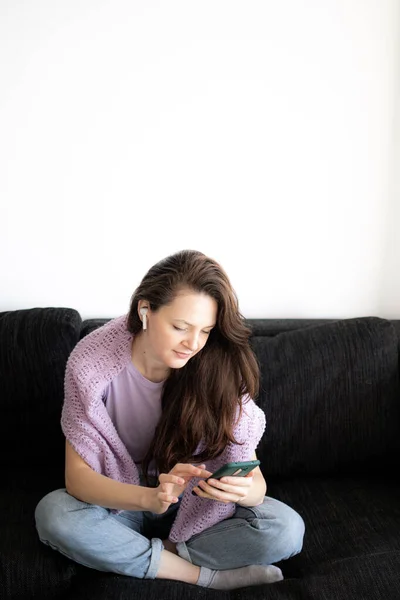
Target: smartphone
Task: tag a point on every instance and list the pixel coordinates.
(235, 469)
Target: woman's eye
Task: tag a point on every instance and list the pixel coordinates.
(179, 329)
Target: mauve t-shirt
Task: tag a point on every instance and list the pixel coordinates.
(134, 405)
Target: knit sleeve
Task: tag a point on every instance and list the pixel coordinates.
(85, 421)
(86, 437)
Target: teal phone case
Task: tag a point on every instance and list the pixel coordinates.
(236, 469)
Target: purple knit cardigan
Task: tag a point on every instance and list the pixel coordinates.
(97, 359)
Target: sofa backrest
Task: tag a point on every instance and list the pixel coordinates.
(330, 391)
(331, 396)
(34, 348)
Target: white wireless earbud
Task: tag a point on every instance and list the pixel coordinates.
(143, 312)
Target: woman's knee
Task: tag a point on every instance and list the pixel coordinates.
(284, 527)
(51, 514)
(292, 533)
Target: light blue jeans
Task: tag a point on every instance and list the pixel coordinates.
(130, 543)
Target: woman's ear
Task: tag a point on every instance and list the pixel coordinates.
(142, 304)
(143, 309)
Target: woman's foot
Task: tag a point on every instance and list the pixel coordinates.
(237, 578)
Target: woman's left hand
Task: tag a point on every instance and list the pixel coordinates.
(227, 489)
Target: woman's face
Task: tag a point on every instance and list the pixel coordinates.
(176, 332)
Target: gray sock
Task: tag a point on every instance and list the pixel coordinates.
(237, 578)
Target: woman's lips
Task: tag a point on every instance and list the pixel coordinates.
(182, 354)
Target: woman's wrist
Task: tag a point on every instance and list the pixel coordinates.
(147, 497)
(256, 495)
(249, 502)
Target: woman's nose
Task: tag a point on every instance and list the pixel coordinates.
(192, 342)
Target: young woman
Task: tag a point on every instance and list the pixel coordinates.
(155, 402)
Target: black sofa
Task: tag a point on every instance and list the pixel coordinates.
(330, 390)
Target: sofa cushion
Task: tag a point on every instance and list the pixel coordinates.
(34, 347)
(351, 548)
(91, 324)
(331, 396)
(29, 568)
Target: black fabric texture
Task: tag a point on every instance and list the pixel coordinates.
(331, 396)
(91, 324)
(28, 568)
(34, 347)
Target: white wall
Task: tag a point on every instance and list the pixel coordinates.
(261, 133)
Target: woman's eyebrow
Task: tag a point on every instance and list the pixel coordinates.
(190, 325)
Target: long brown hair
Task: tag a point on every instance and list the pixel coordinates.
(201, 400)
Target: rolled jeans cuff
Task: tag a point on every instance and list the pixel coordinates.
(156, 548)
(182, 551)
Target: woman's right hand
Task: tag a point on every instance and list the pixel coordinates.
(172, 485)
